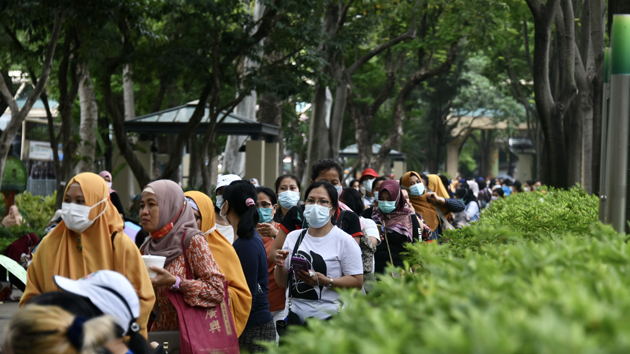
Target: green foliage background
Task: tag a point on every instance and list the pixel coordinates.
(36, 212)
(543, 279)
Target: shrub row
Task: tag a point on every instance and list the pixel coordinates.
(531, 276)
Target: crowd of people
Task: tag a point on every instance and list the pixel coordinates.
(273, 257)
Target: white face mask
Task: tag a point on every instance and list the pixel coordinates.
(77, 217)
(209, 231)
(109, 184)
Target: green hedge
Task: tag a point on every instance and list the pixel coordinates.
(547, 280)
(36, 212)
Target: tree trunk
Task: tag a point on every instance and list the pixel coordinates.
(128, 96)
(18, 115)
(319, 144)
(89, 120)
(397, 117)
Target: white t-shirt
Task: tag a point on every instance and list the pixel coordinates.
(226, 231)
(334, 255)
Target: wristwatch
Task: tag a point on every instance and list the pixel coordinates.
(175, 286)
(330, 284)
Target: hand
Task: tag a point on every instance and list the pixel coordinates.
(163, 277)
(281, 257)
(432, 197)
(318, 280)
(266, 230)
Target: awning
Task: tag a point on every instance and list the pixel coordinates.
(352, 151)
(173, 121)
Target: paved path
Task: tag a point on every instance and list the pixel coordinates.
(7, 310)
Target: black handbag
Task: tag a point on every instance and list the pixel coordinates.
(293, 319)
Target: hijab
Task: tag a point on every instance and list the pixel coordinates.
(421, 204)
(173, 208)
(399, 220)
(107, 174)
(13, 218)
(23, 245)
(66, 253)
(466, 195)
(227, 259)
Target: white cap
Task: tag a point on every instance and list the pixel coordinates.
(111, 292)
(225, 180)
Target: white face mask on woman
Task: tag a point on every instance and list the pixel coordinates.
(77, 217)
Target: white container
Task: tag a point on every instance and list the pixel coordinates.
(157, 261)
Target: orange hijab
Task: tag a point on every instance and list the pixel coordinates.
(422, 206)
(228, 261)
(66, 253)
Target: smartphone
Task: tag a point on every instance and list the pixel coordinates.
(298, 263)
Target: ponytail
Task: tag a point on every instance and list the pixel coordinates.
(242, 197)
(39, 329)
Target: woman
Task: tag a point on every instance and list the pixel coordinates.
(112, 193)
(89, 238)
(37, 329)
(103, 292)
(21, 252)
(497, 193)
(396, 223)
(332, 255)
(356, 184)
(371, 238)
(268, 228)
(239, 209)
(288, 192)
(426, 196)
(170, 221)
(225, 256)
(13, 218)
(470, 213)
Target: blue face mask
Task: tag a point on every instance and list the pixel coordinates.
(288, 199)
(375, 196)
(316, 215)
(416, 190)
(264, 215)
(219, 201)
(338, 188)
(387, 206)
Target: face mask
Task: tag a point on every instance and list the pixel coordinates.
(416, 190)
(375, 197)
(386, 206)
(219, 201)
(338, 188)
(77, 217)
(463, 202)
(526, 189)
(288, 199)
(367, 184)
(316, 215)
(358, 190)
(109, 184)
(211, 230)
(494, 197)
(265, 215)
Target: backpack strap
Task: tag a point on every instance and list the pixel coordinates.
(295, 248)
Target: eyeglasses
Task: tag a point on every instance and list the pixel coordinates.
(321, 202)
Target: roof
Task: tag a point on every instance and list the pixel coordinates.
(353, 151)
(173, 120)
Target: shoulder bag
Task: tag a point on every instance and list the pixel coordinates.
(203, 330)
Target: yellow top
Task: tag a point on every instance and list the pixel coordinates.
(66, 253)
(228, 261)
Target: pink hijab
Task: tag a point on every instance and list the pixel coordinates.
(171, 201)
(107, 174)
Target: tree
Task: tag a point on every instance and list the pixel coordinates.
(89, 120)
(18, 115)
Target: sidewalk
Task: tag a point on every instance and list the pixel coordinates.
(7, 310)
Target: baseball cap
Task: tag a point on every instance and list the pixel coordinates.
(369, 172)
(225, 180)
(111, 292)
